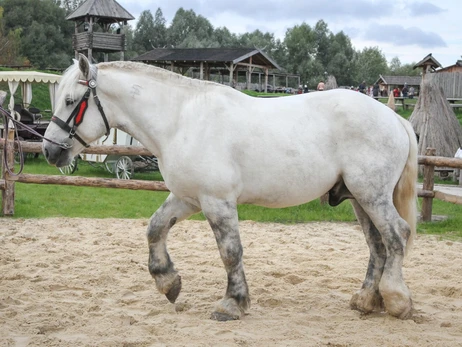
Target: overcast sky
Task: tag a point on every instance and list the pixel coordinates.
(406, 29)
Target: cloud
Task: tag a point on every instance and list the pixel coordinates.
(424, 8)
(296, 10)
(400, 36)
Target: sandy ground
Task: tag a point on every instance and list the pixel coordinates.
(84, 282)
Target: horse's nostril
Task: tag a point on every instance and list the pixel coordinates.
(46, 153)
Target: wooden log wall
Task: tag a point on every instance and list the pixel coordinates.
(98, 41)
(451, 82)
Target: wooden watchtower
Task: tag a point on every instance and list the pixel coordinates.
(427, 64)
(94, 30)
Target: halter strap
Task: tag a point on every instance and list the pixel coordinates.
(79, 111)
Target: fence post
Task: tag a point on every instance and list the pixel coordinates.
(428, 184)
(8, 192)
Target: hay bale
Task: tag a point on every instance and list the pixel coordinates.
(391, 102)
(434, 121)
(331, 83)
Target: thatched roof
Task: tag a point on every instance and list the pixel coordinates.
(434, 121)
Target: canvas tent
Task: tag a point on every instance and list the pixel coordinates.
(24, 79)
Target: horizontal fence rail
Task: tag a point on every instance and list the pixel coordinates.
(7, 181)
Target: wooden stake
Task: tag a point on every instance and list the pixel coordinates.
(428, 184)
(8, 191)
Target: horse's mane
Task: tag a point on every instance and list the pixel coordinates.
(155, 72)
(72, 75)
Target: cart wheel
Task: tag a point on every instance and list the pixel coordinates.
(109, 165)
(124, 168)
(69, 169)
(18, 157)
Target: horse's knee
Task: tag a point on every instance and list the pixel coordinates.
(159, 261)
(158, 227)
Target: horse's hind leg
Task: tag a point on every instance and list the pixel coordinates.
(222, 217)
(368, 299)
(395, 233)
(172, 211)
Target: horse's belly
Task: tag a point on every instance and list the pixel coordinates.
(284, 193)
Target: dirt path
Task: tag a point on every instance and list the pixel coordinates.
(84, 282)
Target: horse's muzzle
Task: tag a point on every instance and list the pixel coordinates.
(56, 155)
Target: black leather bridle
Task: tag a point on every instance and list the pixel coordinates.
(79, 111)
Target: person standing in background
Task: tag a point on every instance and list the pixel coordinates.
(362, 87)
(321, 86)
(375, 90)
(405, 90)
(411, 92)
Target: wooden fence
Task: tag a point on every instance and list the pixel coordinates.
(451, 82)
(7, 181)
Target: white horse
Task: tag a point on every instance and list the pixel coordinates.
(218, 148)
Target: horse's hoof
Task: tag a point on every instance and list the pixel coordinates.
(223, 317)
(174, 291)
(367, 301)
(402, 313)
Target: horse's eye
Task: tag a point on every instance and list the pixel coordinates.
(69, 102)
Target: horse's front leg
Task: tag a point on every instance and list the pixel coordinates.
(172, 211)
(222, 217)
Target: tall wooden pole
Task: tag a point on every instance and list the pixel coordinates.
(428, 184)
(8, 192)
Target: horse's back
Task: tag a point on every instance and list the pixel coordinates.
(302, 150)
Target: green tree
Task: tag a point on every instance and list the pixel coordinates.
(45, 34)
(369, 64)
(69, 5)
(340, 57)
(222, 37)
(159, 39)
(9, 44)
(395, 68)
(190, 30)
(323, 42)
(300, 48)
(144, 33)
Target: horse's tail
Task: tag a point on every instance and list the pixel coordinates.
(405, 193)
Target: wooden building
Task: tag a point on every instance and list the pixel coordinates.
(448, 78)
(94, 31)
(224, 62)
(388, 83)
(457, 67)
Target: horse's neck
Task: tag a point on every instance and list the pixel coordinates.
(142, 106)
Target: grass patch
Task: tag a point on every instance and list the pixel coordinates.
(447, 229)
(41, 201)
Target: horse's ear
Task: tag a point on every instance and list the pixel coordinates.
(84, 66)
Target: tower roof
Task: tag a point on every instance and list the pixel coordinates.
(107, 10)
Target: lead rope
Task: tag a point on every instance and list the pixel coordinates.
(18, 125)
(9, 170)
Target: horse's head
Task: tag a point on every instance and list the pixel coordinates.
(78, 118)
